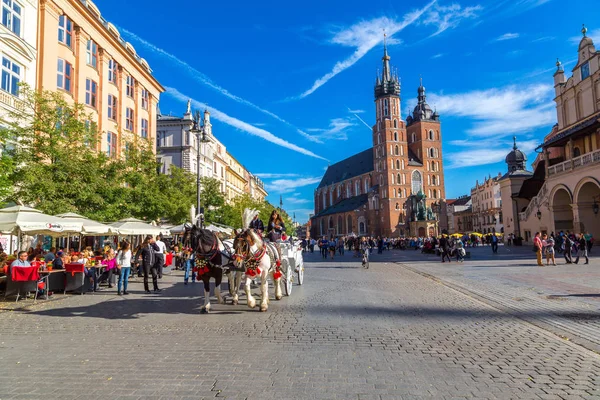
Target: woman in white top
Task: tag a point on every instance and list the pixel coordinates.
(124, 266)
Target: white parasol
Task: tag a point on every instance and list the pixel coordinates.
(133, 226)
(90, 227)
(22, 219)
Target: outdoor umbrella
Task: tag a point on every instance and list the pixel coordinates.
(133, 226)
(90, 227)
(21, 219)
(177, 230)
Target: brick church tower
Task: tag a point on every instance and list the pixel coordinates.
(407, 156)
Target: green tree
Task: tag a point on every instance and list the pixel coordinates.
(55, 160)
(212, 199)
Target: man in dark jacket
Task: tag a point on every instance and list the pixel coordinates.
(148, 261)
(257, 225)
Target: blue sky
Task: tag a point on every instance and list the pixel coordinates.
(290, 86)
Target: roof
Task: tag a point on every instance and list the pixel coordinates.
(346, 205)
(532, 186)
(355, 165)
(461, 201)
(588, 124)
(413, 160)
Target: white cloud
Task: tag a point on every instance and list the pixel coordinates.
(483, 152)
(269, 175)
(594, 34)
(544, 71)
(500, 111)
(205, 80)
(507, 36)
(363, 36)
(337, 130)
(289, 185)
(543, 39)
(355, 113)
(241, 125)
(439, 55)
(295, 200)
(449, 17)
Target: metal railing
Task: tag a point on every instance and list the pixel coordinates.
(577, 162)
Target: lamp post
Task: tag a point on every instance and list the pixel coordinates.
(200, 133)
(539, 214)
(595, 207)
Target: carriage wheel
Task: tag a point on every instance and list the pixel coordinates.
(289, 276)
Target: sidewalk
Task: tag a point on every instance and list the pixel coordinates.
(564, 299)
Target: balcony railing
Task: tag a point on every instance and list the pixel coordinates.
(578, 162)
(11, 101)
(535, 203)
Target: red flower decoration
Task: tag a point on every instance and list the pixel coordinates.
(276, 275)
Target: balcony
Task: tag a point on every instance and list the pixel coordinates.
(578, 162)
(11, 101)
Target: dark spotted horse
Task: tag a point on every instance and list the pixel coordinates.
(210, 257)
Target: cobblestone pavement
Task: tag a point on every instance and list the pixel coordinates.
(347, 333)
(564, 299)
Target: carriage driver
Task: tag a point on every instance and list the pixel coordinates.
(257, 224)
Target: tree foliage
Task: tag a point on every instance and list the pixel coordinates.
(52, 158)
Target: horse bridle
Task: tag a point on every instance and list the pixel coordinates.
(248, 255)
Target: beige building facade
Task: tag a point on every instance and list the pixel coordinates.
(83, 56)
(18, 51)
(236, 182)
(566, 174)
(487, 206)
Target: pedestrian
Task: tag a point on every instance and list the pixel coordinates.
(567, 248)
(323, 244)
(148, 262)
(494, 241)
(188, 260)
(160, 255)
(589, 240)
(313, 243)
(549, 249)
(124, 267)
(332, 247)
(460, 250)
(340, 246)
(444, 248)
(582, 249)
(537, 246)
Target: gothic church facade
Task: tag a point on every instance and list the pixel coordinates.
(365, 194)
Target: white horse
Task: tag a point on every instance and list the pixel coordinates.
(261, 260)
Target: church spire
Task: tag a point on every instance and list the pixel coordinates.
(386, 61)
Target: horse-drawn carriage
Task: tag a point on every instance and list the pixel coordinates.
(248, 256)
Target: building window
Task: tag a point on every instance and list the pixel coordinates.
(396, 152)
(576, 151)
(395, 126)
(65, 30)
(414, 137)
(386, 111)
(585, 70)
(144, 132)
(11, 16)
(91, 57)
(433, 180)
(129, 86)
(112, 71)
(129, 119)
(417, 182)
(145, 99)
(395, 135)
(431, 135)
(11, 76)
(64, 74)
(91, 93)
(112, 107)
(111, 142)
(434, 194)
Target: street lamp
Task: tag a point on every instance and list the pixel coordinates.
(200, 133)
(539, 214)
(595, 205)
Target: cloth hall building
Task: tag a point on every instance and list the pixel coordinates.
(366, 194)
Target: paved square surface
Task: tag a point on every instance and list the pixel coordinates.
(348, 333)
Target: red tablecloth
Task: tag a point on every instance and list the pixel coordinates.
(24, 274)
(169, 259)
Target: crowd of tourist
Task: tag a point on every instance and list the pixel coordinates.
(566, 243)
(102, 265)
